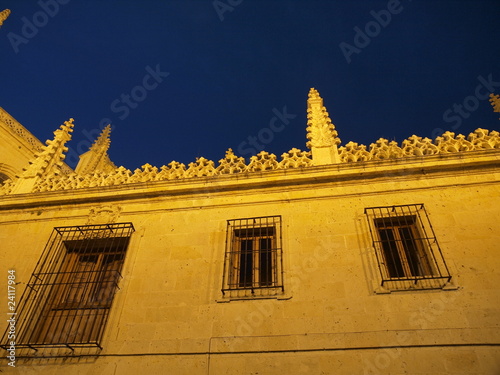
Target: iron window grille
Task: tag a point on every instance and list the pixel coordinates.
(253, 264)
(69, 295)
(406, 248)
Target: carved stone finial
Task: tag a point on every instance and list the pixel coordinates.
(52, 154)
(102, 142)
(353, 152)
(4, 14)
(314, 94)
(97, 158)
(385, 149)
(231, 163)
(322, 136)
(295, 158)
(263, 161)
(200, 168)
(495, 102)
(48, 161)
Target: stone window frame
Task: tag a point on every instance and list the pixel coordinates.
(252, 243)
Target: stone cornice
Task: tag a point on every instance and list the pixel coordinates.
(96, 170)
(340, 175)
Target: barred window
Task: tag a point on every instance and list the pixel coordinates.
(253, 261)
(406, 248)
(70, 293)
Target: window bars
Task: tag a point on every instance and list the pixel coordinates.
(70, 293)
(253, 264)
(406, 248)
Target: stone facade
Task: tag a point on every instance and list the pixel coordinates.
(332, 312)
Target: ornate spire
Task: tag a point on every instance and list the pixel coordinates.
(322, 136)
(48, 161)
(495, 102)
(96, 158)
(101, 144)
(4, 14)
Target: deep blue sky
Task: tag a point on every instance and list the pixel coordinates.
(228, 70)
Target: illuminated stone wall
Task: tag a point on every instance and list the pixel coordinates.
(170, 316)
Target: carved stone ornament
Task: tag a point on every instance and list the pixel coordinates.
(45, 172)
(320, 130)
(104, 214)
(4, 14)
(231, 164)
(414, 146)
(495, 102)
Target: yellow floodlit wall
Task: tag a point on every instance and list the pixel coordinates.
(333, 317)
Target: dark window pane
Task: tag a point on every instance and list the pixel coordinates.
(265, 261)
(88, 259)
(246, 263)
(108, 278)
(410, 249)
(391, 255)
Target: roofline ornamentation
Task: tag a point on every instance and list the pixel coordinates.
(319, 127)
(19, 130)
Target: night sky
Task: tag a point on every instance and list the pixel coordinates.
(184, 79)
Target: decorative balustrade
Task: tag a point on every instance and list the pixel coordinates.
(414, 146)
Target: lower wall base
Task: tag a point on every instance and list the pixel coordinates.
(484, 360)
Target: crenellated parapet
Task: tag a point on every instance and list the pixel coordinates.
(202, 167)
(263, 161)
(382, 149)
(418, 146)
(231, 164)
(46, 173)
(295, 158)
(352, 152)
(480, 139)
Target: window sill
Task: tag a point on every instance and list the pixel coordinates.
(411, 286)
(244, 295)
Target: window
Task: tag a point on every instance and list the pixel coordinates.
(402, 247)
(253, 261)
(70, 293)
(406, 248)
